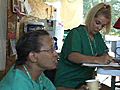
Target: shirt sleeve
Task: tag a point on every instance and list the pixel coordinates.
(73, 41)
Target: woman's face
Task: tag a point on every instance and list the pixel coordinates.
(98, 24)
(47, 57)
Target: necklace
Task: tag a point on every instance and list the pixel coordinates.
(29, 76)
(26, 70)
(94, 44)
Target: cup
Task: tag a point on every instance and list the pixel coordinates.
(92, 84)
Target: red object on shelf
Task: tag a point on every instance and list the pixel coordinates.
(117, 24)
(11, 35)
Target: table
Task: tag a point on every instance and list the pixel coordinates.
(113, 71)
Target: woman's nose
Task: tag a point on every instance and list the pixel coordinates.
(100, 27)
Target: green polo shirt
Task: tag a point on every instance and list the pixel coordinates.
(18, 80)
(74, 75)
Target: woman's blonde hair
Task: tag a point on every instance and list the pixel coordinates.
(99, 9)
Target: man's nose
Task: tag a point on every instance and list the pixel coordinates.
(56, 54)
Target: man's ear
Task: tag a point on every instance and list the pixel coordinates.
(32, 57)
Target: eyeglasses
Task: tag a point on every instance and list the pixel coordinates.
(51, 50)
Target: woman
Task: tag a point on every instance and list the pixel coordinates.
(35, 54)
(84, 44)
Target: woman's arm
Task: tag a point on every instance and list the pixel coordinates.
(80, 58)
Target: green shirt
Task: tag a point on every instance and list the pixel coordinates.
(18, 80)
(74, 75)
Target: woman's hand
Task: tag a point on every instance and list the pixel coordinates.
(105, 59)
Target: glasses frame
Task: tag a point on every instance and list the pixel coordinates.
(51, 50)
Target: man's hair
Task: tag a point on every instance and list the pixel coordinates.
(29, 42)
(99, 9)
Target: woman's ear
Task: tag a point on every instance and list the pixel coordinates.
(32, 57)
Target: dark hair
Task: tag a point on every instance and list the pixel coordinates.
(29, 42)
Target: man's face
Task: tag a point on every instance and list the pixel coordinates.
(47, 57)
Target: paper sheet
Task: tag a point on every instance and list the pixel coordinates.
(101, 65)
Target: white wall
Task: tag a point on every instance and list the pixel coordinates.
(3, 29)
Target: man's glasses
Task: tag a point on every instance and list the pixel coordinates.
(51, 50)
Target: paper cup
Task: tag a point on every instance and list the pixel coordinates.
(93, 84)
